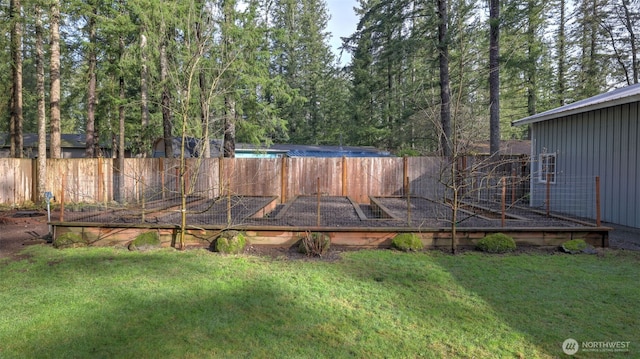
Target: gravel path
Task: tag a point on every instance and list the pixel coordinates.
(622, 237)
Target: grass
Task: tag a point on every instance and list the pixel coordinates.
(106, 302)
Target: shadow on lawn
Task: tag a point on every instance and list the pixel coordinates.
(554, 297)
(155, 314)
(381, 303)
(511, 305)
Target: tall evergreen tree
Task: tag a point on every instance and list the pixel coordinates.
(445, 91)
(40, 90)
(229, 55)
(90, 135)
(54, 73)
(494, 76)
(561, 47)
(15, 9)
(304, 60)
(591, 62)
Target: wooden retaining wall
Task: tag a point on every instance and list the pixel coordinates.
(101, 235)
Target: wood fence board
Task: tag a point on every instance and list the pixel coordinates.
(303, 174)
(97, 180)
(253, 176)
(425, 177)
(376, 176)
(15, 181)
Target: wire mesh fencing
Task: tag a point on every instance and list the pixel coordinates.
(577, 197)
(314, 192)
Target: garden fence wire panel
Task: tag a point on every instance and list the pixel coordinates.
(572, 196)
(304, 192)
(294, 192)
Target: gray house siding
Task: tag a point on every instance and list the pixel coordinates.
(602, 142)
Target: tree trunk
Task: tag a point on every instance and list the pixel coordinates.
(561, 55)
(494, 76)
(629, 22)
(54, 96)
(16, 94)
(204, 103)
(144, 91)
(166, 98)
(531, 61)
(229, 141)
(42, 116)
(90, 145)
(121, 115)
(229, 127)
(445, 91)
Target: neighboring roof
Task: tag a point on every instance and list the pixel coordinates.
(276, 150)
(612, 98)
(31, 140)
(330, 151)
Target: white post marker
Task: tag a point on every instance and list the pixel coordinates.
(48, 196)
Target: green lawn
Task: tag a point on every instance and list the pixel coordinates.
(111, 303)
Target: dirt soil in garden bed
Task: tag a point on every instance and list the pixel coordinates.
(331, 211)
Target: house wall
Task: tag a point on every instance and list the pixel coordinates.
(604, 143)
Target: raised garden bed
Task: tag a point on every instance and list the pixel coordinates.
(347, 222)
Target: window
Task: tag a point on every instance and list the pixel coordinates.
(547, 169)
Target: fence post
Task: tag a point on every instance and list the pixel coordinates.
(221, 182)
(408, 201)
(229, 205)
(100, 180)
(503, 200)
(405, 174)
(64, 183)
(513, 186)
(548, 194)
(318, 193)
(35, 196)
(283, 180)
(344, 176)
(598, 219)
(161, 169)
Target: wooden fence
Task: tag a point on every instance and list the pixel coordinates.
(98, 179)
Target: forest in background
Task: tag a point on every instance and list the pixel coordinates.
(124, 73)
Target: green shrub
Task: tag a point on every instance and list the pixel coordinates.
(314, 244)
(230, 242)
(144, 241)
(408, 242)
(496, 243)
(409, 152)
(70, 240)
(577, 246)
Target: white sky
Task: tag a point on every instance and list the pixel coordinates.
(343, 23)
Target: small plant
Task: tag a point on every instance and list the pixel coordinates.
(144, 241)
(230, 242)
(496, 243)
(314, 244)
(575, 246)
(70, 240)
(408, 242)
(408, 152)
